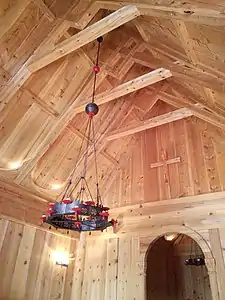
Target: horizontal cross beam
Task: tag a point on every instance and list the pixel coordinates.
(150, 123)
(129, 87)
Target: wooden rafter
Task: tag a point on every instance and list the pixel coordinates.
(150, 123)
(107, 24)
(198, 110)
(186, 12)
(129, 87)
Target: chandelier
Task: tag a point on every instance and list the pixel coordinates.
(85, 212)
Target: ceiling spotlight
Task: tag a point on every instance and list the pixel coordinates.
(14, 165)
(170, 236)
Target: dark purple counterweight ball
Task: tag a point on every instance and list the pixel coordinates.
(91, 109)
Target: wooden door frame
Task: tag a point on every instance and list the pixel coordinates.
(203, 244)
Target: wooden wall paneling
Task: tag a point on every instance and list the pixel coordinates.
(68, 282)
(210, 158)
(137, 182)
(124, 266)
(215, 242)
(111, 275)
(89, 270)
(3, 229)
(35, 264)
(78, 281)
(13, 237)
(151, 175)
(182, 152)
(196, 159)
(59, 273)
(18, 288)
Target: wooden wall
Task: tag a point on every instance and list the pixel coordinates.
(198, 145)
(26, 269)
(115, 267)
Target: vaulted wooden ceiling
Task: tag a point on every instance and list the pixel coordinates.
(47, 51)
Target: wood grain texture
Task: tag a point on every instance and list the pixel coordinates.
(25, 252)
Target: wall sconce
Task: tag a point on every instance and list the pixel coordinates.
(170, 236)
(61, 258)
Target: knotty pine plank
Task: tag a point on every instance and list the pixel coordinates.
(210, 159)
(151, 175)
(3, 229)
(8, 256)
(78, 280)
(182, 151)
(70, 271)
(18, 286)
(123, 268)
(111, 275)
(34, 264)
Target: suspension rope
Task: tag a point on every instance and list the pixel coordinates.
(74, 169)
(96, 71)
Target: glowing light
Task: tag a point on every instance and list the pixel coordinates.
(56, 186)
(60, 258)
(14, 165)
(170, 236)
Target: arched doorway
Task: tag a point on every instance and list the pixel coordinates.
(171, 273)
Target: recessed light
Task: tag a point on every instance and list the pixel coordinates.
(14, 165)
(56, 186)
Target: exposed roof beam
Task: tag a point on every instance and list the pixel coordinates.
(197, 110)
(181, 69)
(150, 123)
(107, 24)
(10, 13)
(189, 13)
(129, 87)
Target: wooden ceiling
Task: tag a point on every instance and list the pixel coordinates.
(47, 51)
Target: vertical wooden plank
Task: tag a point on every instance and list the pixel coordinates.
(181, 151)
(76, 292)
(8, 256)
(18, 286)
(34, 265)
(210, 160)
(70, 271)
(215, 243)
(111, 275)
(57, 272)
(123, 268)
(151, 182)
(3, 229)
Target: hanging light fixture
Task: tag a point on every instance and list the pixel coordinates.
(78, 214)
